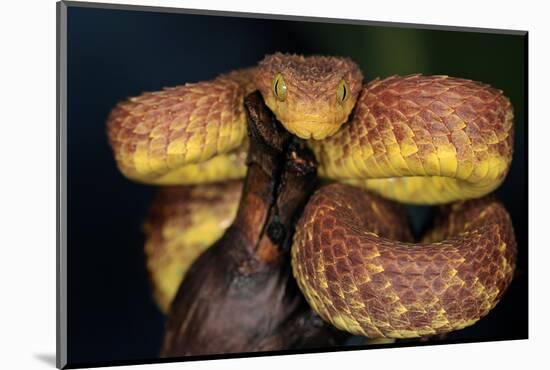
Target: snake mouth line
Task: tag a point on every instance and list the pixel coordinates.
(315, 130)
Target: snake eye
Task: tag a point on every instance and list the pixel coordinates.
(279, 87)
(342, 92)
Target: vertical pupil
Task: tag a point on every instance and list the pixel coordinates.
(344, 92)
(277, 87)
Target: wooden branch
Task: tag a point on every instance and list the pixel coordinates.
(240, 295)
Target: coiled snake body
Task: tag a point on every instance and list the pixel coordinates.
(414, 139)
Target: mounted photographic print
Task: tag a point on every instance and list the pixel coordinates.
(236, 185)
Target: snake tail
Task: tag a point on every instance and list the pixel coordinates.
(182, 223)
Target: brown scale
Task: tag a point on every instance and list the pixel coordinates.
(174, 207)
(152, 121)
(471, 117)
(353, 260)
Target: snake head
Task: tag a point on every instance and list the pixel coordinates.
(311, 96)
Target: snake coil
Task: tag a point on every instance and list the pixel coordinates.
(414, 139)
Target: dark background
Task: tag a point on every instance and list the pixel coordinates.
(113, 54)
